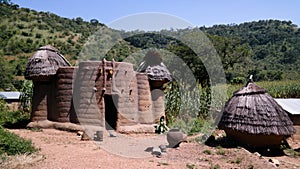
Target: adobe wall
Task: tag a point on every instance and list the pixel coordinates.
(158, 100)
(144, 96)
(64, 95)
(39, 101)
(43, 95)
(84, 95)
(130, 91)
(124, 83)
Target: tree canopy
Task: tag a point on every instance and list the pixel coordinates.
(268, 49)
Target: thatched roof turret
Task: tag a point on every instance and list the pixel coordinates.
(252, 110)
(44, 63)
(154, 67)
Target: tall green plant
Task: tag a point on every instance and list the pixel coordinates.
(26, 96)
(187, 110)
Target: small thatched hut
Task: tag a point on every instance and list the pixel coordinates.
(253, 117)
(42, 68)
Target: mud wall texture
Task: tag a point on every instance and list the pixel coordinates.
(84, 95)
(39, 101)
(64, 95)
(103, 93)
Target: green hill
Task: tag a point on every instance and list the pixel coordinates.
(24, 30)
(269, 49)
(275, 46)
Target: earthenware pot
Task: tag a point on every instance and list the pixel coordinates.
(174, 137)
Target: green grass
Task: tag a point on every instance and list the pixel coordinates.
(190, 166)
(220, 151)
(291, 152)
(238, 160)
(208, 152)
(12, 144)
(216, 166)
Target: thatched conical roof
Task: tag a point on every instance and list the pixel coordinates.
(44, 62)
(252, 110)
(154, 67)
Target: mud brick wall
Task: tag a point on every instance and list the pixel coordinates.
(52, 106)
(85, 102)
(145, 115)
(102, 91)
(124, 85)
(39, 101)
(64, 95)
(158, 107)
(44, 103)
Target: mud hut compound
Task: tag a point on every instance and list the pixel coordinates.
(103, 95)
(254, 118)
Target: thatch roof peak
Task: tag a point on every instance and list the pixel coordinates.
(44, 62)
(48, 47)
(250, 88)
(154, 67)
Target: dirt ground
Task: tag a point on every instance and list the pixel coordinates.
(62, 149)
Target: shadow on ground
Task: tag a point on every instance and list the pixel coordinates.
(226, 142)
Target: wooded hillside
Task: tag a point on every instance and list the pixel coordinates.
(269, 49)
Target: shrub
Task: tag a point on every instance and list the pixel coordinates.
(12, 144)
(15, 119)
(12, 119)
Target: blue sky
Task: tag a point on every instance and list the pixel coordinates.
(196, 12)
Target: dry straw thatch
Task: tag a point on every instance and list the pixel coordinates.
(252, 110)
(154, 68)
(44, 63)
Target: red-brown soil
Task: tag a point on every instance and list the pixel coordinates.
(62, 149)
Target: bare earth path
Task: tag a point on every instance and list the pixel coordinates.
(63, 149)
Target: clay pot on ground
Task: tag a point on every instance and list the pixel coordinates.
(174, 138)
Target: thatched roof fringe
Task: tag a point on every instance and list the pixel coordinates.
(45, 62)
(253, 111)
